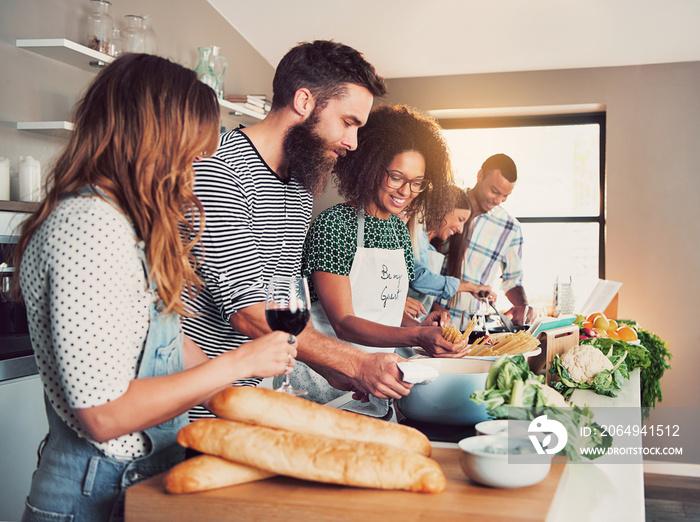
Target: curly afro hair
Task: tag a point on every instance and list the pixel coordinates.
(390, 131)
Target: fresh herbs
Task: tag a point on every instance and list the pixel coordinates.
(650, 376)
(651, 356)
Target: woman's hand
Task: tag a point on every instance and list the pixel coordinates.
(478, 291)
(438, 317)
(431, 340)
(413, 308)
(268, 356)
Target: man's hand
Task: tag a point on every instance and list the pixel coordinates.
(519, 313)
(375, 373)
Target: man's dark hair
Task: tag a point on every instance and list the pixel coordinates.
(323, 67)
(503, 163)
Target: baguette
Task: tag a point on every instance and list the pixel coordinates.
(265, 407)
(206, 472)
(315, 457)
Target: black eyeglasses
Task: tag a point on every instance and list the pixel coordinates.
(396, 181)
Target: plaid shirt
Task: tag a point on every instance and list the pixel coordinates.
(496, 241)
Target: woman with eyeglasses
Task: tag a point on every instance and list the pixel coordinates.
(358, 255)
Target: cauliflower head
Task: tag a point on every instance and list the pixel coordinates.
(584, 362)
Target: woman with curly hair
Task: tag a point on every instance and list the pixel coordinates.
(358, 254)
(451, 237)
(101, 267)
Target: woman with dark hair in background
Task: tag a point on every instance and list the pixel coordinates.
(101, 267)
(451, 237)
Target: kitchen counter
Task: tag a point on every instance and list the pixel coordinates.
(293, 500)
(594, 490)
(572, 492)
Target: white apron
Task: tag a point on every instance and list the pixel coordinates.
(379, 285)
(434, 262)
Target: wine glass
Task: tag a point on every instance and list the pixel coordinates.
(287, 309)
(482, 311)
(478, 308)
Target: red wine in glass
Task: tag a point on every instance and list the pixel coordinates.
(290, 321)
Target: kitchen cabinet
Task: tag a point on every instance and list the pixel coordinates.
(82, 57)
(23, 427)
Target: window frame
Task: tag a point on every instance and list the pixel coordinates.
(553, 120)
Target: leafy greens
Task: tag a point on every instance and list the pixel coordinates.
(605, 382)
(512, 391)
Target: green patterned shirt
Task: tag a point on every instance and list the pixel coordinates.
(331, 242)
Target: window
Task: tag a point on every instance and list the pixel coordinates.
(558, 199)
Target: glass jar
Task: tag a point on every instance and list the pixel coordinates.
(99, 26)
(116, 47)
(205, 74)
(133, 34)
(150, 42)
(218, 66)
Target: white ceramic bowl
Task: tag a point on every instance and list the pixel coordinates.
(499, 469)
(445, 400)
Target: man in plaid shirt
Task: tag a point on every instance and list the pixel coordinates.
(496, 240)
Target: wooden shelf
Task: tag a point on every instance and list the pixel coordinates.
(66, 51)
(18, 206)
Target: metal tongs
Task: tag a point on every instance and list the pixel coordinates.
(506, 322)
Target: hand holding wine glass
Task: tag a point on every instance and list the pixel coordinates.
(287, 309)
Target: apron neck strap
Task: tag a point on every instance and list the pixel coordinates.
(360, 227)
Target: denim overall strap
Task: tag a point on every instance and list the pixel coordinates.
(162, 355)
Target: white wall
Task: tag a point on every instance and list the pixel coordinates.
(33, 87)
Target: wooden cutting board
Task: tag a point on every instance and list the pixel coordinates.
(287, 499)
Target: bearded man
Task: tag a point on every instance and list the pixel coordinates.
(257, 192)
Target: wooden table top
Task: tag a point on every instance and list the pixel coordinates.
(289, 499)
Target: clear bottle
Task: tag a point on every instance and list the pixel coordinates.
(205, 74)
(99, 26)
(219, 64)
(116, 47)
(133, 34)
(150, 41)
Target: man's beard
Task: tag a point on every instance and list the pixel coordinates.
(308, 156)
